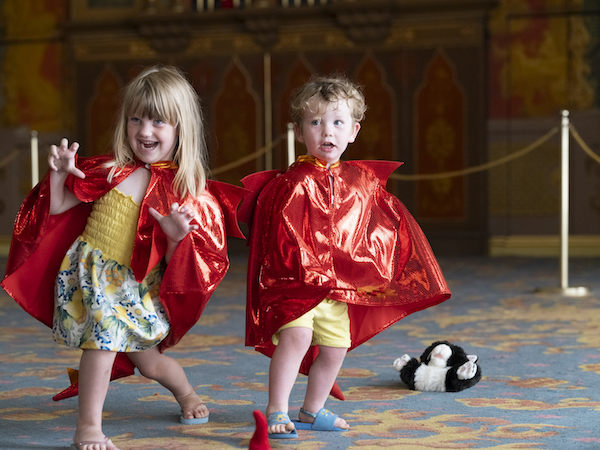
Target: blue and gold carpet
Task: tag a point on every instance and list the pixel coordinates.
(540, 356)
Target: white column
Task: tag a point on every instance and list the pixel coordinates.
(564, 288)
(268, 112)
(35, 169)
(291, 150)
(564, 201)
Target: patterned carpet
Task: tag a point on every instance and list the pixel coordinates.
(540, 356)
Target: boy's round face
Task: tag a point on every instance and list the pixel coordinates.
(151, 140)
(327, 129)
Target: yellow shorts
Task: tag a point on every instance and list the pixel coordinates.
(329, 322)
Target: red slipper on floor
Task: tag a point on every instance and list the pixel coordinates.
(260, 438)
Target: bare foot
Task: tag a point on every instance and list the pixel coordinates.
(192, 406)
(104, 444)
(339, 422)
(280, 426)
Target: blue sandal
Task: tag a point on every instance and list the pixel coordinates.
(277, 418)
(324, 421)
(194, 421)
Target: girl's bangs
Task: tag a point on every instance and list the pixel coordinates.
(153, 106)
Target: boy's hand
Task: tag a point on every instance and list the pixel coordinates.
(62, 158)
(176, 224)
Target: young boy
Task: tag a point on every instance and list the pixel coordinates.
(334, 258)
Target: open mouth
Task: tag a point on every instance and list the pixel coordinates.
(148, 145)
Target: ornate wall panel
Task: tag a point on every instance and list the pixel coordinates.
(102, 111)
(292, 76)
(376, 134)
(236, 119)
(440, 141)
(422, 68)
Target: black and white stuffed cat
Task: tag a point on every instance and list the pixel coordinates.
(443, 367)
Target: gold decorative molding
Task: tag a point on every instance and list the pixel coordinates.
(365, 25)
(543, 246)
(343, 25)
(166, 36)
(313, 40)
(431, 34)
(113, 50)
(231, 43)
(264, 29)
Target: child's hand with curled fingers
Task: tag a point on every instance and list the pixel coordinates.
(177, 224)
(62, 158)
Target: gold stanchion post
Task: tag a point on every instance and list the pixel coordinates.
(35, 171)
(291, 149)
(564, 288)
(268, 112)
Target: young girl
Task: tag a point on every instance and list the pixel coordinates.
(145, 246)
(334, 258)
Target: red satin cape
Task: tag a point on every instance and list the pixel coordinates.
(364, 248)
(199, 263)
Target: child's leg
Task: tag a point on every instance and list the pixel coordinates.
(94, 375)
(321, 377)
(167, 371)
(283, 371)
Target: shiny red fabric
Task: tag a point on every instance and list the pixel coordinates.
(335, 233)
(199, 263)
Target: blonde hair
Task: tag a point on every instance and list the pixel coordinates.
(328, 89)
(163, 92)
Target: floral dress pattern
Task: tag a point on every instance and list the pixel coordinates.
(98, 302)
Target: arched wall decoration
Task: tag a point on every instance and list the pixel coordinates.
(440, 120)
(227, 68)
(299, 74)
(375, 138)
(336, 63)
(102, 111)
(237, 114)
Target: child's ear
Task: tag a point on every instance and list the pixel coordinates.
(356, 130)
(298, 133)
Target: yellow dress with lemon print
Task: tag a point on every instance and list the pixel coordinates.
(98, 302)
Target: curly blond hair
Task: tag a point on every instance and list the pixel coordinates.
(328, 89)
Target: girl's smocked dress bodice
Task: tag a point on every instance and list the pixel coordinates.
(98, 302)
(111, 226)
